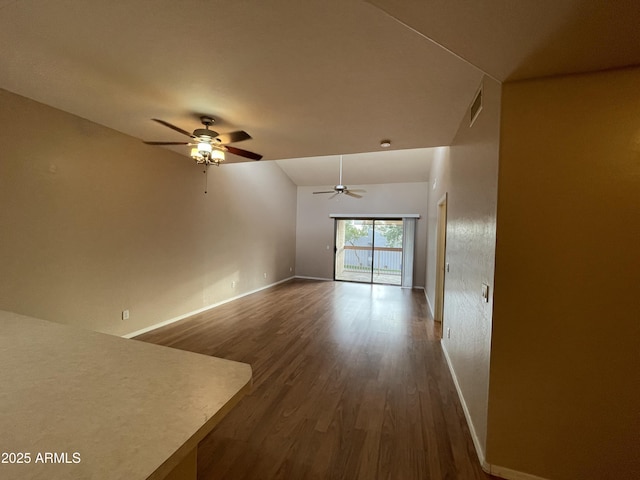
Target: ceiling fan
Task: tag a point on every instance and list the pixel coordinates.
(340, 188)
(209, 146)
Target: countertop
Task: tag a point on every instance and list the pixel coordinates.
(110, 407)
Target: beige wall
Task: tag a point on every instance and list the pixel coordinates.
(94, 222)
(315, 228)
(468, 174)
(565, 391)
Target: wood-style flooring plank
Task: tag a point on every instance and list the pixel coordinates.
(349, 382)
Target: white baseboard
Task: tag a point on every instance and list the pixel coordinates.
(509, 474)
(496, 470)
(429, 303)
(200, 310)
(476, 441)
(314, 278)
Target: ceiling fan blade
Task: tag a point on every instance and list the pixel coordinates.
(243, 153)
(167, 143)
(172, 127)
(337, 193)
(358, 190)
(233, 137)
(351, 194)
(328, 191)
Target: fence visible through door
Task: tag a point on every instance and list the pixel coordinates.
(369, 250)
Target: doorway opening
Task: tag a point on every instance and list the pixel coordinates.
(369, 250)
(441, 263)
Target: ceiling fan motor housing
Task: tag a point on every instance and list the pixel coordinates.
(206, 134)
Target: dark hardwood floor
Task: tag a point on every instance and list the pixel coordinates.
(350, 382)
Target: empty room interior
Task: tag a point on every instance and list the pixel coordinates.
(321, 239)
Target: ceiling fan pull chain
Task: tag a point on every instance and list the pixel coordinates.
(206, 178)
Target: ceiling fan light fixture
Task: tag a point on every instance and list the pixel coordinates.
(217, 156)
(196, 155)
(385, 143)
(209, 146)
(204, 147)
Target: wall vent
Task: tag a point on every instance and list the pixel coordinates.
(476, 107)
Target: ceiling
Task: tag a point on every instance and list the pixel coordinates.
(397, 166)
(313, 78)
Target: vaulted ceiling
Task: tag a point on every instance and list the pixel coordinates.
(310, 78)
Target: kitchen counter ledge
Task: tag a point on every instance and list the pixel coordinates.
(86, 405)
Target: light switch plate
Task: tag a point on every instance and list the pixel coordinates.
(485, 292)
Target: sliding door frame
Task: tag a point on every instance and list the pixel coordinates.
(405, 281)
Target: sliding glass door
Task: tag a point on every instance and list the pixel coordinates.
(369, 251)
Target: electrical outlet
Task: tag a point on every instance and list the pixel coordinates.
(448, 333)
(265, 274)
(290, 269)
(233, 284)
(125, 314)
